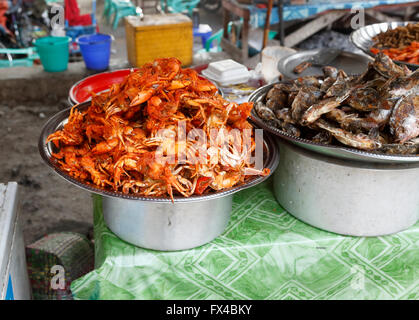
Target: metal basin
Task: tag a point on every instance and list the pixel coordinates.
(347, 197)
(167, 226)
(157, 222)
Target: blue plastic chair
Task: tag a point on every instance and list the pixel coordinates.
(176, 6)
(27, 61)
(107, 10)
(219, 35)
(216, 37)
(203, 31)
(121, 9)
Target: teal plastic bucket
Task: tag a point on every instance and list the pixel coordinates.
(53, 52)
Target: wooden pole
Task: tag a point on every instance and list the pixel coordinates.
(267, 24)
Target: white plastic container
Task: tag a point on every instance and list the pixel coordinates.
(270, 59)
(227, 72)
(14, 280)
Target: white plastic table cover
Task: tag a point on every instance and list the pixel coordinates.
(264, 253)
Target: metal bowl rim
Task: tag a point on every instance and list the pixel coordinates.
(270, 162)
(296, 140)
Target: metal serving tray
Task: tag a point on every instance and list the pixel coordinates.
(157, 222)
(59, 119)
(351, 63)
(329, 150)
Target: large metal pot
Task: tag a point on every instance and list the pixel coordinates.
(347, 197)
(165, 225)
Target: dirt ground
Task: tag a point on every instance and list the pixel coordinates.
(48, 203)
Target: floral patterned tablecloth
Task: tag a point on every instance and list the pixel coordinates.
(265, 253)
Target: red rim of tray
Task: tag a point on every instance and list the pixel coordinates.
(81, 90)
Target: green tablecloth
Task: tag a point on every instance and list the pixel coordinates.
(265, 253)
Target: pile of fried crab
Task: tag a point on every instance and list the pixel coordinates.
(113, 144)
(376, 111)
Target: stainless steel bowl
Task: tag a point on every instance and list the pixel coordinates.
(167, 226)
(363, 37)
(328, 150)
(157, 222)
(346, 197)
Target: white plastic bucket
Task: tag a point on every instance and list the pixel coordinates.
(270, 59)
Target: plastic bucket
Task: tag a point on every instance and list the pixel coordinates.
(53, 52)
(96, 50)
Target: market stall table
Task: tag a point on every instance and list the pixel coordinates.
(265, 253)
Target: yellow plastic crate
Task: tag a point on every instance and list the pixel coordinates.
(159, 36)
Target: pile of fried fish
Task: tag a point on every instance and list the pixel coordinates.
(376, 111)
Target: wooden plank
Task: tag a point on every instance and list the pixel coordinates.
(410, 13)
(245, 40)
(379, 16)
(312, 27)
(267, 24)
(232, 50)
(236, 8)
(232, 7)
(226, 20)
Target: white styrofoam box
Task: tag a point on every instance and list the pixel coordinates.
(227, 72)
(14, 280)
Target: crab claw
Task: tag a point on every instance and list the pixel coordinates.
(178, 84)
(143, 96)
